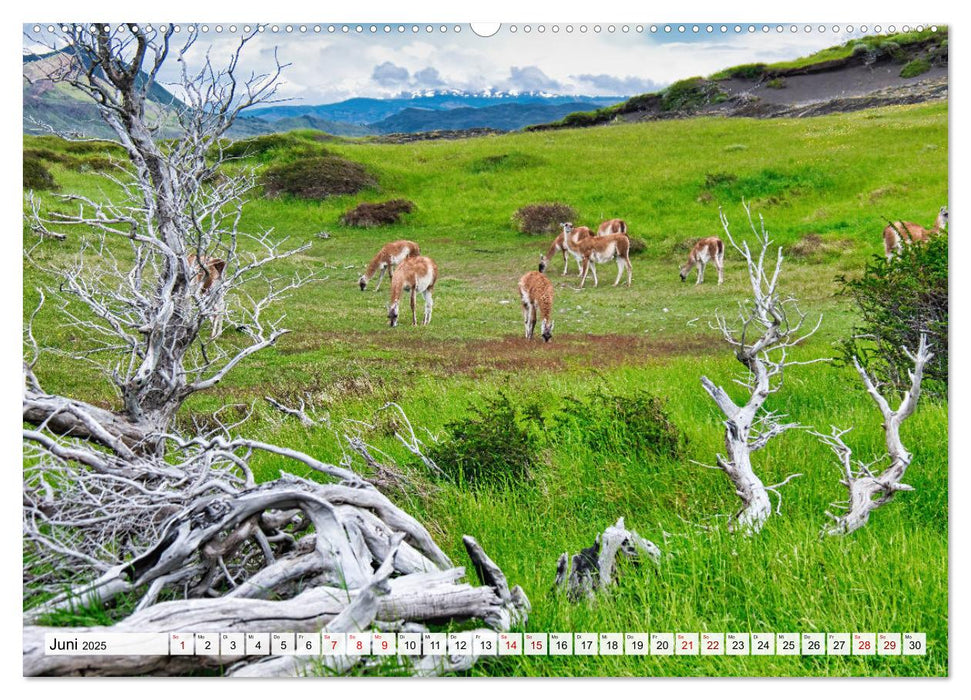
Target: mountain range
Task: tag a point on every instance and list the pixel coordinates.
(67, 109)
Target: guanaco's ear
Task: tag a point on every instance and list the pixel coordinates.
(219, 265)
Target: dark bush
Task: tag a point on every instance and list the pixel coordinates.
(317, 178)
(93, 162)
(36, 176)
(621, 424)
(367, 214)
(504, 162)
(498, 444)
(637, 246)
(543, 218)
(47, 154)
(748, 71)
(897, 299)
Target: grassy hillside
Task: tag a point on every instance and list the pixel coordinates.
(838, 177)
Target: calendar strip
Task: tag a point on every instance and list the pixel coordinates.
(486, 643)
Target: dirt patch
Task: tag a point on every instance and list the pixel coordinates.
(509, 353)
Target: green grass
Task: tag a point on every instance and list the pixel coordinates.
(835, 176)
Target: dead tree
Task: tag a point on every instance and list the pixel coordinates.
(592, 569)
(118, 506)
(768, 326)
(132, 292)
(868, 490)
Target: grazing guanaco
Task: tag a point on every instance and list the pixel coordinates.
(208, 271)
(612, 226)
(900, 232)
(537, 293)
(417, 274)
(706, 250)
(389, 257)
(557, 245)
(600, 249)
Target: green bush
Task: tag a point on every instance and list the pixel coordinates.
(915, 68)
(689, 94)
(897, 300)
(317, 178)
(272, 144)
(498, 444)
(543, 218)
(621, 424)
(637, 246)
(776, 83)
(36, 175)
(504, 162)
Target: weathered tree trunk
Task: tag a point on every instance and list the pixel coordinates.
(592, 569)
(869, 491)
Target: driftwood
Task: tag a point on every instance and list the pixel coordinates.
(776, 323)
(869, 490)
(592, 569)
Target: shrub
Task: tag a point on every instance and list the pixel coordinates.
(916, 67)
(259, 146)
(776, 83)
(367, 214)
(36, 175)
(897, 299)
(809, 246)
(748, 71)
(637, 246)
(621, 424)
(47, 154)
(93, 162)
(543, 218)
(689, 94)
(317, 178)
(503, 162)
(499, 443)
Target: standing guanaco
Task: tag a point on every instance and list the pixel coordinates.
(390, 256)
(705, 250)
(900, 232)
(537, 294)
(417, 274)
(600, 249)
(207, 272)
(557, 245)
(612, 226)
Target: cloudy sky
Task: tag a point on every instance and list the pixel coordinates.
(331, 66)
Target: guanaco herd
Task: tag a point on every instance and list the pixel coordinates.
(412, 272)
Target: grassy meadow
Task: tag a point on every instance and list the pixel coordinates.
(825, 187)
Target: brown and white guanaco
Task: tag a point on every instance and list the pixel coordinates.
(600, 249)
(389, 257)
(611, 226)
(417, 275)
(557, 245)
(536, 291)
(208, 271)
(710, 249)
(900, 232)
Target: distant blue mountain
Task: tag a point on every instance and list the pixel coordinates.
(505, 117)
(367, 110)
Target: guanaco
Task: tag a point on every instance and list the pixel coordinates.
(389, 257)
(537, 293)
(612, 226)
(557, 245)
(900, 232)
(706, 250)
(417, 274)
(600, 249)
(208, 272)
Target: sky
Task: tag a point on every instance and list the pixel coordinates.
(330, 66)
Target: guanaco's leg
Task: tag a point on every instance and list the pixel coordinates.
(566, 260)
(526, 319)
(720, 264)
(414, 316)
(584, 268)
(620, 270)
(701, 271)
(593, 267)
(428, 306)
(629, 268)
